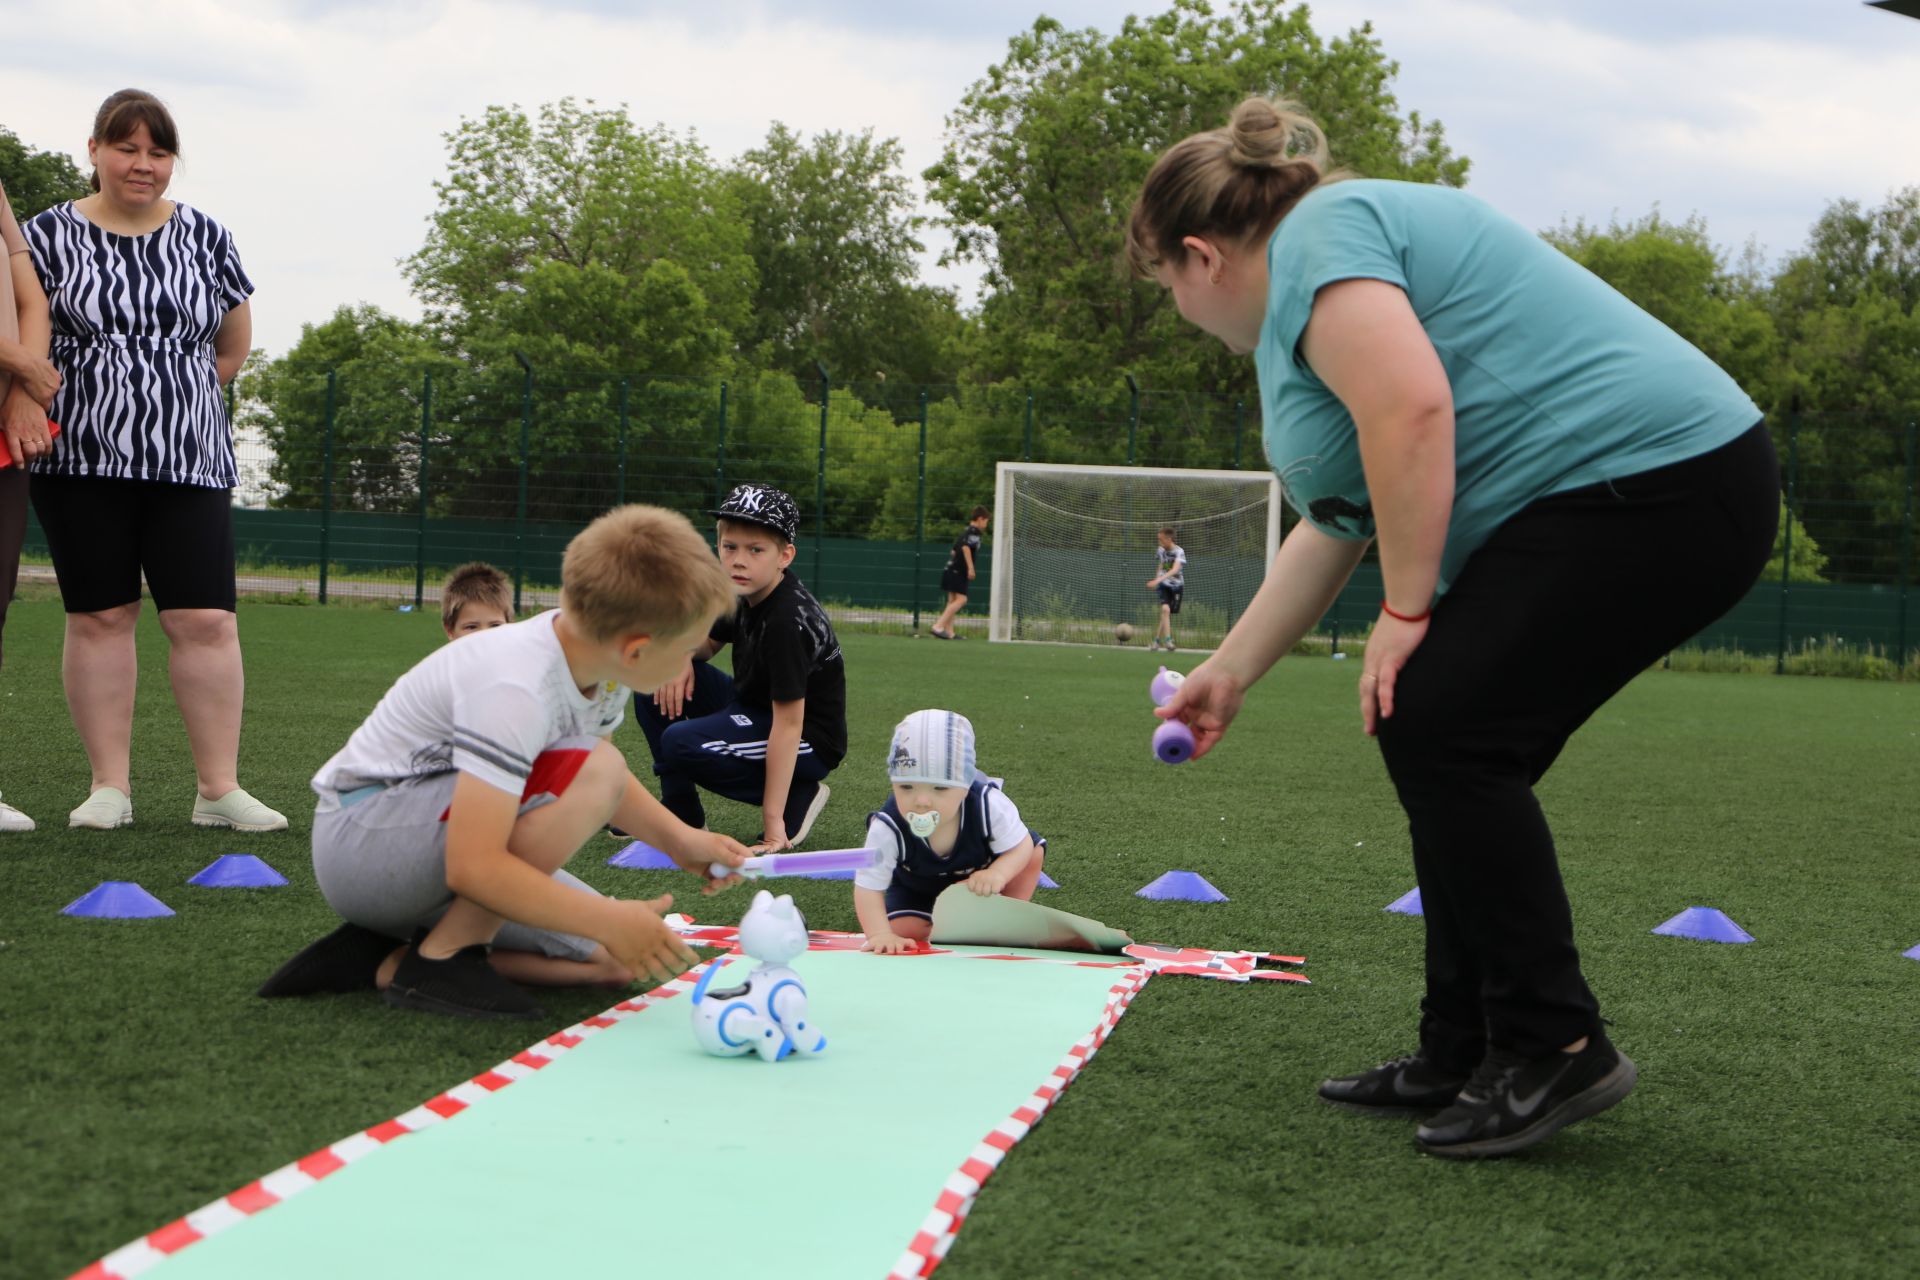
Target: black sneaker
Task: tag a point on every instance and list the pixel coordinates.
(1513, 1102)
(463, 985)
(345, 960)
(1412, 1083)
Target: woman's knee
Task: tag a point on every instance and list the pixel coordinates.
(200, 628)
(104, 624)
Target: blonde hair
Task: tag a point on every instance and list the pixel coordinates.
(475, 582)
(1232, 184)
(642, 569)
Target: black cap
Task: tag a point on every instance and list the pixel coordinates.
(764, 505)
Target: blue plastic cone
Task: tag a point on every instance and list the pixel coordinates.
(117, 900)
(237, 871)
(1407, 904)
(1047, 881)
(1912, 952)
(642, 856)
(1181, 886)
(1705, 923)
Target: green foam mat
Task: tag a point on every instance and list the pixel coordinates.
(633, 1151)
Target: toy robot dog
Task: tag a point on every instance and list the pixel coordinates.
(768, 1014)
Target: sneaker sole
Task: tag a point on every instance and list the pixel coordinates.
(99, 826)
(202, 820)
(1402, 1111)
(406, 998)
(1597, 1097)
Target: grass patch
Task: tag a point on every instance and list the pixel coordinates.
(1774, 1132)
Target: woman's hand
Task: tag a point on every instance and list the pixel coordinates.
(1207, 703)
(38, 378)
(1388, 648)
(24, 425)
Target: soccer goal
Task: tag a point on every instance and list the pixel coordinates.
(1074, 546)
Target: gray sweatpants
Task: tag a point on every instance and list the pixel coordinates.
(382, 864)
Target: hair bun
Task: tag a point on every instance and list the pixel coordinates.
(1264, 134)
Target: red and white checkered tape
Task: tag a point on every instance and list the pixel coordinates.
(155, 1247)
(950, 1208)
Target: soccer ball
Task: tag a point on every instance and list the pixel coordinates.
(1123, 632)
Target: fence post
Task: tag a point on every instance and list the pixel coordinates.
(420, 532)
(1906, 546)
(920, 511)
(620, 465)
(820, 483)
(326, 491)
(720, 452)
(1133, 416)
(1786, 539)
(1239, 422)
(520, 503)
(1026, 446)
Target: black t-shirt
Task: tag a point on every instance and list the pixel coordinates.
(970, 538)
(784, 648)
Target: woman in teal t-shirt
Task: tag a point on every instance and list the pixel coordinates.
(1561, 488)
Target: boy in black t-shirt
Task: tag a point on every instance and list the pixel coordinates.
(959, 572)
(771, 732)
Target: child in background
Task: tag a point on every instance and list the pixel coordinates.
(944, 824)
(477, 597)
(449, 813)
(1172, 584)
(771, 732)
(954, 579)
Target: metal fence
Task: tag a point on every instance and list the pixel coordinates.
(369, 481)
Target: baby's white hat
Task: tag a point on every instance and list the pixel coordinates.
(932, 746)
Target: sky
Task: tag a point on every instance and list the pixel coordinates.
(314, 129)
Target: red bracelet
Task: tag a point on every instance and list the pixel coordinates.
(1405, 617)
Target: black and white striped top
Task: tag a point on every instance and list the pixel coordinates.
(134, 319)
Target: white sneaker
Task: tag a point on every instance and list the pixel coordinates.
(11, 819)
(105, 809)
(813, 811)
(237, 810)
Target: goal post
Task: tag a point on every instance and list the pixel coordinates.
(1074, 547)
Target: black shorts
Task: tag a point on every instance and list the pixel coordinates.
(954, 582)
(1170, 597)
(104, 533)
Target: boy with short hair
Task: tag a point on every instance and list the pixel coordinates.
(452, 808)
(945, 823)
(959, 572)
(477, 597)
(1172, 584)
(770, 733)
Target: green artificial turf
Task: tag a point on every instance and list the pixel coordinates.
(1775, 1131)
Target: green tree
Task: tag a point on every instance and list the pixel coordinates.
(36, 180)
(547, 224)
(833, 236)
(1673, 271)
(378, 362)
(1847, 307)
(1045, 155)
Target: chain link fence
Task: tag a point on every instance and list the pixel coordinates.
(368, 482)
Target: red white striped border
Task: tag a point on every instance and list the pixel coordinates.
(155, 1247)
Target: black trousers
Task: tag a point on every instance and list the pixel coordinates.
(718, 744)
(1571, 599)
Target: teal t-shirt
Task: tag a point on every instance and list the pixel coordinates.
(1558, 380)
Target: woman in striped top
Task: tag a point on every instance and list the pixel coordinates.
(150, 320)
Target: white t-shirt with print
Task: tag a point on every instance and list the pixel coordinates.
(484, 705)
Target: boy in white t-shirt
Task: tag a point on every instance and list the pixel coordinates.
(946, 823)
(449, 813)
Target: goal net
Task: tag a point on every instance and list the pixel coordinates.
(1074, 547)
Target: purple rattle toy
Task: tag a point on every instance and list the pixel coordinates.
(1172, 741)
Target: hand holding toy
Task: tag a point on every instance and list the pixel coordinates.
(1173, 740)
